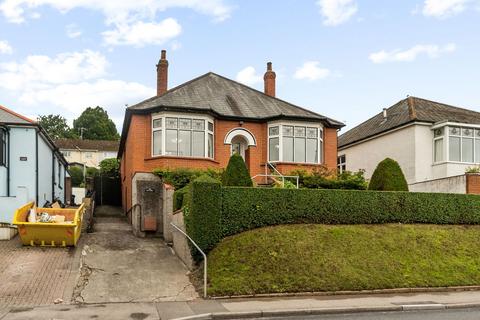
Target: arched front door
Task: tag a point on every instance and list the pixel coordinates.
(239, 145)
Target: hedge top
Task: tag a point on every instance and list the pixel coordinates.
(388, 176)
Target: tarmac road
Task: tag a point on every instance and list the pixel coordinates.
(450, 314)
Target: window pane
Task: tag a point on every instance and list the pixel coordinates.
(312, 132)
(477, 133)
(273, 131)
(171, 123)
(198, 124)
(321, 151)
(171, 142)
(454, 149)
(184, 143)
(438, 152)
(274, 149)
(467, 150)
(210, 126)
(312, 150)
(210, 145)
(157, 123)
(299, 149)
(198, 144)
(157, 142)
(477, 151)
(288, 131)
(438, 132)
(185, 124)
(455, 131)
(299, 131)
(288, 149)
(467, 132)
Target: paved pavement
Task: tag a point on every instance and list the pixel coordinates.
(32, 276)
(116, 266)
(442, 303)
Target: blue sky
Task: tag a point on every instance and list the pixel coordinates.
(346, 59)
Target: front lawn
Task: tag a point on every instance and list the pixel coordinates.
(301, 258)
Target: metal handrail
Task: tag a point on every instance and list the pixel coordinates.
(278, 175)
(203, 254)
(274, 168)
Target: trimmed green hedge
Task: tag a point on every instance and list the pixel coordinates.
(248, 208)
(213, 212)
(202, 209)
(178, 196)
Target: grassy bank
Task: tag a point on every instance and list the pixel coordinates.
(299, 258)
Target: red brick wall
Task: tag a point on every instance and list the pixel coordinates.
(137, 156)
(473, 183)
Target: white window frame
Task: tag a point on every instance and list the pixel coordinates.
(446, 142)
(320, 141)
(341, 164)
(164, 115)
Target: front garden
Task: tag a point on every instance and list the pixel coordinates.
(270, 240)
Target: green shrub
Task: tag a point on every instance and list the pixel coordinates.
(178, 196)
(248, 208)
(76, 174)
(388, 176)
(236, 173)
(323, 179)
(181, 177)
(202, 212)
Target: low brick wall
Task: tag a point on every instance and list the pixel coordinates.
(473, 183)
(455, 184)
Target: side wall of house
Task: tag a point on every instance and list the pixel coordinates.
(398, 145)
(45, 173)
(22, 160)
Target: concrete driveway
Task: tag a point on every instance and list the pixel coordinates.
(115, 266)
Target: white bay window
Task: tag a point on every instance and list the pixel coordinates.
(295, 143)
(456, 144)
(182, 136)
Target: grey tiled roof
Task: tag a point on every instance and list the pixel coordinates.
(75, 144)
(9, 116)
(406, 111)
(214, 93)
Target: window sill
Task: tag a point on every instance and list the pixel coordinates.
(181, 158)
(456, 162)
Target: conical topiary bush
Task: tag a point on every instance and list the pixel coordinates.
(236, 173)
(388, 176)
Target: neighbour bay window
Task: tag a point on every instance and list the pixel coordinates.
(462, 144)
(182, 136)
(295, 143)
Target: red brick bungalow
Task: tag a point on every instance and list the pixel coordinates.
(200, 123)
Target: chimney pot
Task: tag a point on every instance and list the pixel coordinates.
(162, 74)
(385, 112)
(269, 81)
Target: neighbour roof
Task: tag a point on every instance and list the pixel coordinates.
(214, 93)
(406, 111)
(75, 144)
(11, 117)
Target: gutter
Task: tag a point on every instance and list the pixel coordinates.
(36, 167)
(8, 161)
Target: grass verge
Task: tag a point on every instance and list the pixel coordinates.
(301, 258)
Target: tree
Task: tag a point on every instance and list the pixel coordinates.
(236, 173)
(388, 176)
(76, 173)
(110, 166)
(96, 125)
(56, 126)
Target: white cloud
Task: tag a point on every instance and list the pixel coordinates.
(70, 82)
(140, 33)
(249, 76)
(73, 31)
(5, 47)
(432, 51)
(336, 12)
(311, 70)
(444, 8)
(115, 11)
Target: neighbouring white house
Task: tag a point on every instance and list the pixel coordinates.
(434, 144)
(87, 152)
(31, 166)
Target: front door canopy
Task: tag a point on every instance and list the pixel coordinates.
(247, 135)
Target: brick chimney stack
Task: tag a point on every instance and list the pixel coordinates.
(162, 74)
(269, 80)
